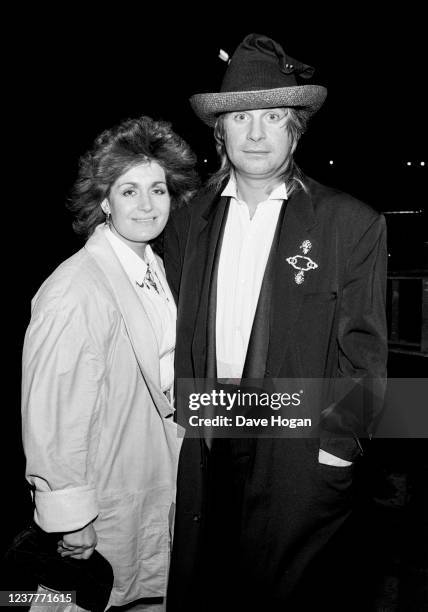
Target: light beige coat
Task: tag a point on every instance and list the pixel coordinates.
(98, 431)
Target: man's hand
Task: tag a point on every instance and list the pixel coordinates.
(78, 544)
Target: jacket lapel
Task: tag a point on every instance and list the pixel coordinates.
(287, 292)
(258, 345)
(198, 290)
(139, 328)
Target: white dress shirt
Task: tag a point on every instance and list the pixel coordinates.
(244, 254)
(160, 307)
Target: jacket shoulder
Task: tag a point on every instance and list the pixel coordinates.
(341, 207)
(204, 196)
(197, 204)
(181, 218)
(74, 282)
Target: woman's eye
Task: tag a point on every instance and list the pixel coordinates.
(273, 117)
(241, 117)
(128, 192)
(159, 191)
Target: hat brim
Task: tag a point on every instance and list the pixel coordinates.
(209, 105)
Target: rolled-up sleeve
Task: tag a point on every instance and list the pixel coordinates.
(62, 392)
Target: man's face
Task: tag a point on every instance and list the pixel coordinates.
(257, 142)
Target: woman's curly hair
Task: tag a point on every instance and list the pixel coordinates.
(115, 151)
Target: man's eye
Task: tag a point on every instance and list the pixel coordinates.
(241, 117)
(274, 117)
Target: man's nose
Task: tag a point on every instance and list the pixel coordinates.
(255, 131)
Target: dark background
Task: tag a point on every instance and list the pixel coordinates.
(69, 75)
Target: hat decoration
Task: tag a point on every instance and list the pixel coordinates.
(260, 75)
(286, 64)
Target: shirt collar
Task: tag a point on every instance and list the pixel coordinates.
(134, 266)
(279, 193)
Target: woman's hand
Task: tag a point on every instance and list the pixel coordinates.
(78, 544)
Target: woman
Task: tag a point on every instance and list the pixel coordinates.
(100, 443)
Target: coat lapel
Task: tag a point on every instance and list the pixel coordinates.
(196, 289)
(139, 328)
(287, 293)
(211, 361)
(258, 345)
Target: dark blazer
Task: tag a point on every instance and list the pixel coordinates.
(330, 326)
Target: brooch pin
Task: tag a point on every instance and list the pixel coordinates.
(148, 280)
(302, 263)
(306, 246)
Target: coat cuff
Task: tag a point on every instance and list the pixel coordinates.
(346, 448)
(65, 509)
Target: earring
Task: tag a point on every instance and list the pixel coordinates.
(108, 216)
(106, 210)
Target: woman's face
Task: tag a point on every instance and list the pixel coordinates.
(139, 204)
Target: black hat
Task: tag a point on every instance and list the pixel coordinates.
(33, 560)
(260, 75)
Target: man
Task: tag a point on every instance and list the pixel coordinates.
(277, 277)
